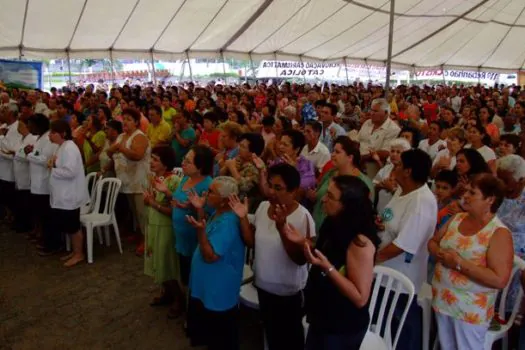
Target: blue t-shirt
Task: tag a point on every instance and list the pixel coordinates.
(218, 284)
(185, 234)
(180, 152)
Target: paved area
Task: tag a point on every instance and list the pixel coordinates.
(100, 306)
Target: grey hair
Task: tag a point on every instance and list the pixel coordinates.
(401, 143)
(513, 164)
(228, 186)
(13, 108)
(385, 106)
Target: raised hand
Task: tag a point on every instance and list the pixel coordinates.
(160, 186)
(279, 215)
(258, 162)
(238, 207)
(196, 201)
(292, 234)
(316, 257)
(198, 224)
(177, 204)
(289, 160)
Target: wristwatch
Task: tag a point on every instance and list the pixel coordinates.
(327, 271)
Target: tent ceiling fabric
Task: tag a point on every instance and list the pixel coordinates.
(472, 34)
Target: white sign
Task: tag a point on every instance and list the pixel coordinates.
(290, 69)
(458, 75)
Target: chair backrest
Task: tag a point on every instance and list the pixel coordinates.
(109, 189)
(394, 284)
(91, 181)
(519, 265)
(178, 172)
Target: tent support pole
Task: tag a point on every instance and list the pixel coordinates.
(182, 70)
(368, 70)
(390, 40)
(112, 67)
(443, 72)
(346, 71)
(479, 75)
(253, 69)
(153, 75)
(275, 65)
(189, 65)
(302, 68)
(69, 67)
(223, 68)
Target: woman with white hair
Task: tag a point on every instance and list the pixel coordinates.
(511, 169)
(385, 184)
(216, 268)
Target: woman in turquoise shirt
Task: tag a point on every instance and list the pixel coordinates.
(216, 269)
(197, 167)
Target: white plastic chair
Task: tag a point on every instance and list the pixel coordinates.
(247, 272)
(394, 283)
(102, 216)
(495, 335)
(91, 181)
(424, 300)
(178, 172)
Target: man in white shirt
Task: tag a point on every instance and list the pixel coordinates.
(314, 150)
(331, 130)
(376, 134)
(38, 107)
(10, 139)
(409, 221)
(455, 101)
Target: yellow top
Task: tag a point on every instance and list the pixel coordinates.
(159, 133)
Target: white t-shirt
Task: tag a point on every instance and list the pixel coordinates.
(275, 272)
(431, 150)
(319, 156)
(487, 152)
(445, 153)
(410, 221)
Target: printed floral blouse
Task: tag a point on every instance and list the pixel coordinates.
(454, 294)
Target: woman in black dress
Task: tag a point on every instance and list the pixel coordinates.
(340, 280)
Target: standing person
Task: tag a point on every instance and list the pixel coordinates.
(94, 138)
(160, 260)
(446, 158)
(159, 130)
(23, 179)
(475, 256)
(331, 130)
(314, 150)
(384, 181)
(280, 270)
(131, 156)
(168, 112)
(433, 144)
(229, 142)
(38, 155)
(68, 192)
(197, 167)
(216, 269)
(10, 138)
(183, 134)
(375, 135)
(346, 159)
(409, 220)
(210, 134)
(340, 280)
(113, 130)
(479, 139)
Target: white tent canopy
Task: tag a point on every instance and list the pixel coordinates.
(460, 34)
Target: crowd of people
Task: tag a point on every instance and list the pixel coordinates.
(310, 185)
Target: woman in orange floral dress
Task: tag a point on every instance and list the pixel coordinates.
(474, 254)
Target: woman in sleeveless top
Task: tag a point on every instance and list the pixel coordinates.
(474, 254)
(131, 156)
(340, 280)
